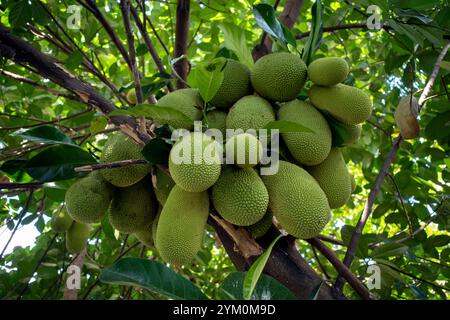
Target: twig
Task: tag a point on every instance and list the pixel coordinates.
(181, 40)
(402, 202)
(331, 240)
(321, 267)
(111, 165)
(387, 134)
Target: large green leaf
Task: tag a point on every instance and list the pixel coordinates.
(207, 77)
(20, 13)
(153, 276)
(313, 42)
(267, 288)
(57, 162)
(45, 134)
(156, 151)
(236, 41)
(266, 19)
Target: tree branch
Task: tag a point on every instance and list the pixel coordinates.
(181, 41)
(110, 165)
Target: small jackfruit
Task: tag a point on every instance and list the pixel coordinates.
(217, 120)
(77, 236)
(88, 199)
(195, 162)
(240, 196)
(244, 150)
(163, 184)
(333, 177)
(309, 148)
(187, 101)
(347, 104)
(131, 96)
(181, 226)
(132, 208)
(235, 85)
(279, 76)
(61, 221)
(328, 71)
(260, 228)
(406, 117)
(297, 201)
(121, 147)
(250, 112)
(145, 236)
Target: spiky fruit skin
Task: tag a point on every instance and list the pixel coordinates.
(187, 101)
(260, 228)
(333, 177)
(217, 120)
(309, 148)
(77, 237)
(155, 223)
(235, 85)
(297, 201)
(88, 199)
(195, 162)
(244, 150)
(164, 183)
(120, 147)
(132, 208)
(145, 236)
(279, 76)
(328, 71)
(240, 196)
(353, 134)
(61, 221)
(131, 96)
(250, 112)
(347, 104)
(179, 234)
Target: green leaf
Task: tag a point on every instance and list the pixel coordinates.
(266, 19)
(253, 274)
(153, 276)
(267, 288)
(160, 114)
(207, 77)
(226, 53)
(389, 250)
(57, 163)
(74, 60)
(234, 39)
(20, 13)
(285, 126)
(98, 124)
(156, 151)
(315, 291)
(445, 65)
(439, 126)
(313, 42)
(416, 4)
(44, 134)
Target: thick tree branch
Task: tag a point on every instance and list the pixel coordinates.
(181, 41)
(72, 294)
(111, 165)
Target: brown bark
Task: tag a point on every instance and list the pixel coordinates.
(181, 41)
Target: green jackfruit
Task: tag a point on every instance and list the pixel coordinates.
(240, 196)
(145, 236)
(155, 223)
(328, 71)
(250, 112)
(77, 237)
(121, 147)
(181, 226)
(260, 228)
(244, 150)
(297, 201)
(164, 183)
(88, 199)
(235, 84)
(187, 101)
(333, 177)
(279, 76)
(133, 208)
(308, 148)
(353, 134)
(61, 220)
(195, 162)
(131, 96)
(217, 120)
(347, 104)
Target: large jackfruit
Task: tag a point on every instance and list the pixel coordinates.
(250, 112)
(240, 196)
(121, 147)
(308, 148)
(181, 226)
(162, 186)
(77, 236)
(235, 85)
(88, 199)
(195, 162)
(217, 120)
(61, 221)
(297, 201)
(347, 104)
(328, 71)
(244, 150)
(187, 101)
(260, 228)
(133, 208)
(333, 177)
(279, 76)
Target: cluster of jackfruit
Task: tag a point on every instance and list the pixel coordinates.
(312, 176)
